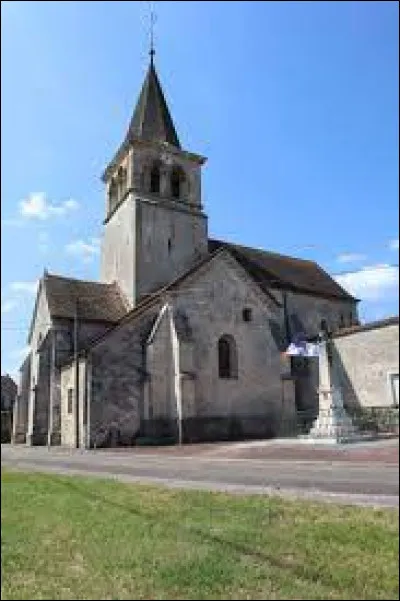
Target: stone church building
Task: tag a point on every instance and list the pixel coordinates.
(183, 334)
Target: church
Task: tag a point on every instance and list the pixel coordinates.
(182, 336)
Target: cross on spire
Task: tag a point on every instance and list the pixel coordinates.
(153, 19)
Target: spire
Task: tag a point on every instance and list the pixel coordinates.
(152, 21)
(151, 119)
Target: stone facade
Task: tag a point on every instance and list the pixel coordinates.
(181, 337)
(38, 407)
(151, 237)
(366, 364)
(8, 398)
(163, 364)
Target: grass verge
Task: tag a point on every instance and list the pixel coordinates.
(78, 538)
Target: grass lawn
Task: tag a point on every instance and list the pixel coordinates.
(76, 538)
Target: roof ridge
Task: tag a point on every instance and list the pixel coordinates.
(263, 250)
(146, 301)
(303, 275)
(71, 279)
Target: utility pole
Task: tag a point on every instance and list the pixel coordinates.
(76, 362)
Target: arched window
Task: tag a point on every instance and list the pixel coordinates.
(227, 357)
(122, 182)
(324, 330)
(113, 194)
(177, 178)
(155, 179)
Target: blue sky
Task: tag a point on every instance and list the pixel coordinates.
(295, 104)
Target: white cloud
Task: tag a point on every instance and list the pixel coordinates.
(394, 244)
(350, 257)
(85, 250)
(7, 306)
(372, 283)
(28, 287)
(36, 206)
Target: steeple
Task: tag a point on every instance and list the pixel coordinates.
(155, 228)
(151, 120)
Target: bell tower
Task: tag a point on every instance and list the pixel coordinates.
(154, 228)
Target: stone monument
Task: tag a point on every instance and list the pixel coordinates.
(333, 424)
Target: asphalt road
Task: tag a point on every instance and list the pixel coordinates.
(346, 482)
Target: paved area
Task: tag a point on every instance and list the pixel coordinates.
(384, 450)
(367, 482)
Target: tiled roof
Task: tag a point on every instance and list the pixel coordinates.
(274, 270)
(96, 301)
(364, 327)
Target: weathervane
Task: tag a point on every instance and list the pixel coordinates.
(152, 22)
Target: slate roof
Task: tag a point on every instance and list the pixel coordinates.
(96, 301)
(151, 119)
(266, 268)
(272, 269)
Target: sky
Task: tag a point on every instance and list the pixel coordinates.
(295, 104)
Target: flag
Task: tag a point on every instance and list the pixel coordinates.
(302, 349)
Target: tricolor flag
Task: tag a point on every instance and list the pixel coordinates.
(299, 347)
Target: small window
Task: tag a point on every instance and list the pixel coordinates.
(39, 342)
(113, 194)
(70, 394)
(122, 182)
(155, 180)
(227, 357)
(176, 182)
(247, 314)
(351, 319)
(342, 323)
(169, 245)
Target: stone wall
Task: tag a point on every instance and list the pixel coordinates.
(68, 404)
(363, 362)
(118, 372)
(39, 372)
(170, 239)
(305, 314)
(151, 238)
(144, 156)
(20, 421)
(251, 403)
(68, 410)
(131, 389)
(118, 248)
